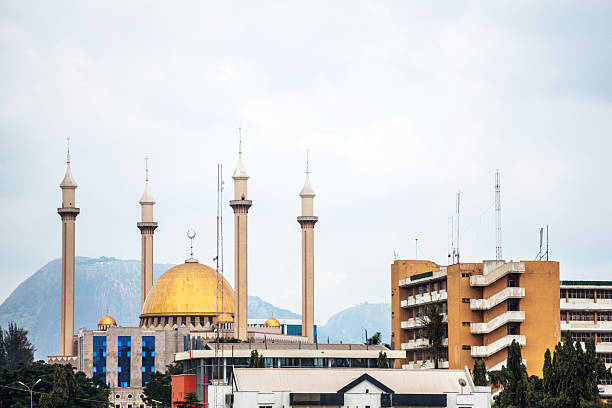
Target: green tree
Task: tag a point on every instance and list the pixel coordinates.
(190, 401)
(256, 360)
(160, 386)
(15, 347)
(89, 393)
(64, 389)
(571, 376)
(374, 340)
(382, 361)
(480, 373)
(517, 389)
(432, 324)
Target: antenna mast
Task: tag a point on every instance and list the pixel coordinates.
(458, 202)
(498, 246)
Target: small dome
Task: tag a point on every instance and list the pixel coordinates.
(107, 321)
(225, 318)
(272, 322)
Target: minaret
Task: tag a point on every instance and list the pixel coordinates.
(147, 228)
(307, 222)
(240, 204)
(68, 212)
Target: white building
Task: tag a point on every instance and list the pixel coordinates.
(348, 387)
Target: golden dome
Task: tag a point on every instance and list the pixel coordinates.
(225, 318)
(107, 321)
(272, 322)
(189, 289)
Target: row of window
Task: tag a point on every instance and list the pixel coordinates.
(585, 316)
(586, 293)
(424, 355)
(601, 337)
(124, 354)
(427, 288)
(419, 311)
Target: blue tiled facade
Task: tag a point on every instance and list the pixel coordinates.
(99, 357)
(148, 358)
(124, 356)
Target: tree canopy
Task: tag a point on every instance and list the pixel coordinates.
(432, 324)
(480, 373)
(15, 347)
(256, 360)
(190, 401)
(374, 340)
(572, 374)
(382, 361)
(160, 386)
(69, 389)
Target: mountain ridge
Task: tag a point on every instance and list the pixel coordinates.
(109, 285)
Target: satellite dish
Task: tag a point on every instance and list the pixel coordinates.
(462, 382)
(191, 233)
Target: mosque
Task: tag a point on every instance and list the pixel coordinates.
(189, 308)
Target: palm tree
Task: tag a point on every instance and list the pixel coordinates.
(433, 328)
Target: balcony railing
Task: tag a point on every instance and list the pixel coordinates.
(496, 322)
(490, 349)
(497, 273)
(496, 299)
(415, 322)
(420, 344)
(433, 297)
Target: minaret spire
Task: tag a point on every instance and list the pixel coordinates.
(147, 228)
(240, 204)
(68, 213)
(307, 222)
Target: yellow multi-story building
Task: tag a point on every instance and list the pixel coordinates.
(485, 306)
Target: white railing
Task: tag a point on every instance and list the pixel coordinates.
(433, 297)
(497, 321)
(416, 322)
(490, 349)
(497, 273)
(496, 299)
(420, 365)
(586, 304)
(420, 344)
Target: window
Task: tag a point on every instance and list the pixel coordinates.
(604, 294)
(465, 300)
(124, 354)
(606, 357)
(563, 293)
(443, 285)
(465, 275)
(466, 347)
(148, 358)
(582, 316)
(513, 305)
(514, 329)
(512, 280)
(99, 357)
(580, 293)
(465, 323)
(606, 316)
(604, 337)
(582, 336)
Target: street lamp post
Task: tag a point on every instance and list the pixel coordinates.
(31, 389)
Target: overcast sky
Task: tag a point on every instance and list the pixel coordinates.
(402, 104)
